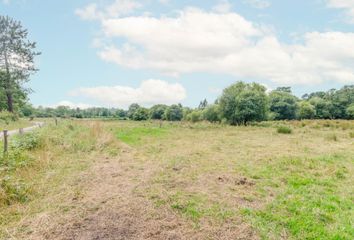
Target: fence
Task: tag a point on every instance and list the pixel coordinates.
(5, 133)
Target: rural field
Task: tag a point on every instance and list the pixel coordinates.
(107, 179)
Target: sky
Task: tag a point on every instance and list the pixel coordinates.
(113, 53)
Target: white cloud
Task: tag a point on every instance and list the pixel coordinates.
(223, 6)
(199, 41)
(224, 42)
(258, 3)
(71, 105)
(117, 9)
(148, 93)
(347, 5)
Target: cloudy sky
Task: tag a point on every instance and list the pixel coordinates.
(117, 52)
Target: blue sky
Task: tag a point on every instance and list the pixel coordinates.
(116, 52)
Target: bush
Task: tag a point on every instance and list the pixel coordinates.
(212, 113)
(194, 116)
(351, 134)
(28, 141)
(284, 130)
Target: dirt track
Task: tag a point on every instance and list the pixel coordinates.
(113, 207)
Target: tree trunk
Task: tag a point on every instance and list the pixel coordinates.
(7, 86)
(10, 106)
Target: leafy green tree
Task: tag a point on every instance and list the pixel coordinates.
(16, 61)
(350, 111)
(157, 112)
(212, 113)
(323, 108)
(241, 103)
(283, 104)
(306, 110)
(141, 114)
(132, 109)
(120, 113)
(195, 116)
(341, 100)
(174, 113)
(27, 110)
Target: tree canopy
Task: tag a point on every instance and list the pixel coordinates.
(16, 63)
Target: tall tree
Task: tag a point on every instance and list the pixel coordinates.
(283, 104)
(16, 60)
(241, 103)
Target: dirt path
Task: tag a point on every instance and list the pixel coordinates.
(112, 208)
(34, 126)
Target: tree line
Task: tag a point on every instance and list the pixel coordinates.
(239, 104)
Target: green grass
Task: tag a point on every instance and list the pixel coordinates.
(284, 130)
(314, 202)
(302, 186)
(135, 135)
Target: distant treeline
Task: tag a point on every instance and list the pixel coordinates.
(239, 104)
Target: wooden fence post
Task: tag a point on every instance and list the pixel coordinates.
(5, 141)
(56, 122)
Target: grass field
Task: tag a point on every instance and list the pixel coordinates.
(218, 181)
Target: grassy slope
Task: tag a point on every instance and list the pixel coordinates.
(296, 186)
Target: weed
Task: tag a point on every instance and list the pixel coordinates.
(284, 130)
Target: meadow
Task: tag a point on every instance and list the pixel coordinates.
(269, 180)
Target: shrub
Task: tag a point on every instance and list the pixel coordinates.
(351, 134)
(284, 130)
(27, 141)
(211, 113)
(195, 116)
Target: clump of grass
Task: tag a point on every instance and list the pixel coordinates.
(13, 190)
(332, 137)
(351, 134)
(284, 130)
